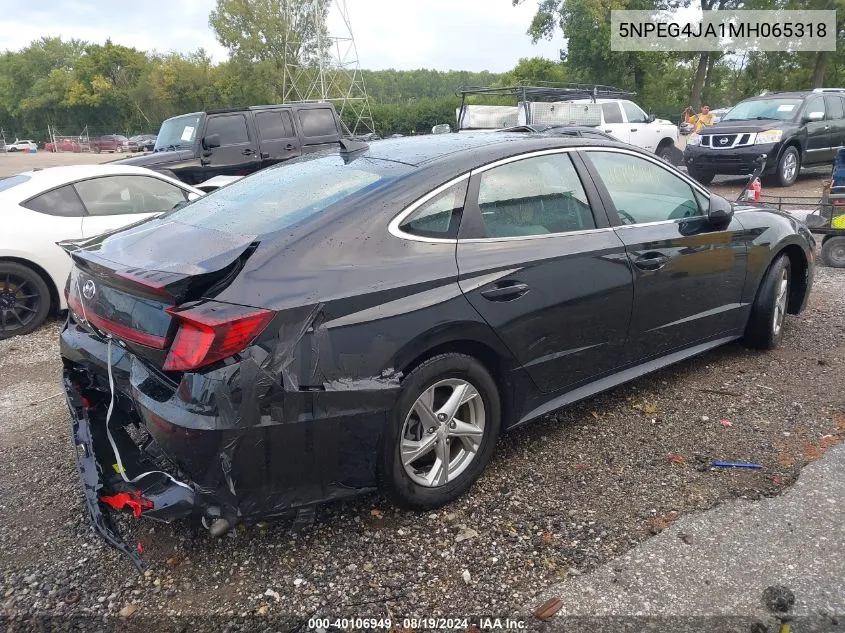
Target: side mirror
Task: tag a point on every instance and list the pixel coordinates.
(720, 212)
(211, 141)
(442, 128)
(814, 116)
(649, 118)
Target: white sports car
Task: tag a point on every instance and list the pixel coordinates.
(42, 207)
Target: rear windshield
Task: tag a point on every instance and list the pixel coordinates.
(11, 181)
(764, 109)
(279, 197)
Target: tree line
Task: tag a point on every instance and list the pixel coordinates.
(110, 88)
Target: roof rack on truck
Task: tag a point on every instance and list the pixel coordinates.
(525, 110)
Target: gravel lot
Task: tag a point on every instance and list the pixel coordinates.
(560, 497)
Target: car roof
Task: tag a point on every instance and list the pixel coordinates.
(479, 147)
(50, 177)
(798, 94)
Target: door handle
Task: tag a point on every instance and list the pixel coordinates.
(652, 260)
(633, 129)
(505, 291)
(289, 147)
(248, 152)
(608, 131)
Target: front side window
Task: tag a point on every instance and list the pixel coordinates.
(633, 112)
(642, 191)
(533, 196)
(62, 201)
(816, 105)
(119, 195)
(231, 128)
(440, 216)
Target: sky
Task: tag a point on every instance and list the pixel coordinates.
(402, 34)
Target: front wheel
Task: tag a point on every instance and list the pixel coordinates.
(24, 300)
(764, 329)
(788, 167)
(442, 432)
(833, 252)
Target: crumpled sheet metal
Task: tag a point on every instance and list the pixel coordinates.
(280, 429)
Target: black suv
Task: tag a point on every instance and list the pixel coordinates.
(794, 129)
(198, 146)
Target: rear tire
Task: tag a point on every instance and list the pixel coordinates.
(833, 252)
(423, 419)
(24, 300)
(704, 177)
(664, 151)
(764, 329)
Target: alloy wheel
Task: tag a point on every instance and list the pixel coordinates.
(790, 165)
(780, 301)
(19, 303)
(442, 432)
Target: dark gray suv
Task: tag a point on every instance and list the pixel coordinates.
(794, 129)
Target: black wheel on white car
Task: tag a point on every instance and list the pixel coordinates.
(788, 167)
(833, 252)
(764, 329)
(442, 432)
(704, 177)
(24, 299)
(664, 151)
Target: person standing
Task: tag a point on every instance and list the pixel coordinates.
(700, 120)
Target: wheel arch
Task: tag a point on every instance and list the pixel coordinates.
(55, 302)
(472, 339)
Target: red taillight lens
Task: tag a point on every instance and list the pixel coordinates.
(212, 332)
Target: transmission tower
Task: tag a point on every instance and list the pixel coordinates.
(321, 62)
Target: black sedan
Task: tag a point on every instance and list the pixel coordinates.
(375, 317)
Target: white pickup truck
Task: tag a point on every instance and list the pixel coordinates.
(628, 122)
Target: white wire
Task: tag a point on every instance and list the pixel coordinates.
(114, 446)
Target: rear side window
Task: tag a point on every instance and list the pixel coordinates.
(273, 124)
(231, 128)
(62, 202)
(440, 217)
(534, 196)
(317, 122)
(612, 113)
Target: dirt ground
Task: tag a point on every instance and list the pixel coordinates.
(16, 162)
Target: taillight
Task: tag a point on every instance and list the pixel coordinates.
(211, 332)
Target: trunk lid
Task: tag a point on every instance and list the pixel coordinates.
(122, 283)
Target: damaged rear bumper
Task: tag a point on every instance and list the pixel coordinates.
(164, 500)
(244, 441)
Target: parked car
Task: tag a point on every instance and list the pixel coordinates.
(42, 207)
(110, 143)
(142, 143)
(377, 316)
(195, 147)
(64, 145)
(22, 146)
(627, 122)
(793, 129)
